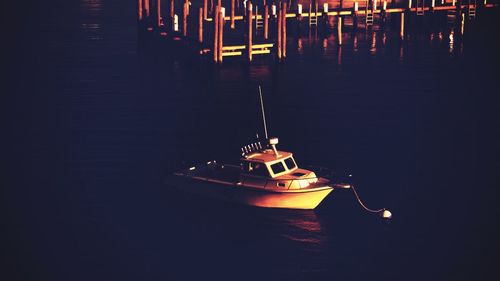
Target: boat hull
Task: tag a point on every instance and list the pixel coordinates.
(306, 199)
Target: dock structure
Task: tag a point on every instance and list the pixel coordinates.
(260, 27)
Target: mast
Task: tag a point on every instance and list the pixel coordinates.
(273, 141)
(263, 113)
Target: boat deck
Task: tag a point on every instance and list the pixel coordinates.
(231, 174)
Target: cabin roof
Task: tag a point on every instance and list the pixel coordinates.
(265, 156)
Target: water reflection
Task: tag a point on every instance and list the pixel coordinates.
(401, 53)
(91, 9)
(373, 48)
(339, 55)
(451, 37)
(92, 6)
(355, 43)
(303, 227)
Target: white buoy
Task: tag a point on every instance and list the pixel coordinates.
(386, 214)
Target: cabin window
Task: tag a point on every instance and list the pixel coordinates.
(290, 163)
(254, 168)
(278, 167)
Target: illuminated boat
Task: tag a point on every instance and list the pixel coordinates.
(265, 177)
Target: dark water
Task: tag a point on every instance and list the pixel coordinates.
(97, 120)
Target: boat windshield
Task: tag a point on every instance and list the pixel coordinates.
(290, 163)
(278, 167)
(254, 168)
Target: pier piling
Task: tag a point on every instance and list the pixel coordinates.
(172, 7)
(205, 9)
(200, 25)
(402, 27)
(172, 16)
(283, 43)
(221, 35)
(158, 13)
(185, 9)
(139, 9)
(339, 29)
(280, 22)
(279, 13)
(232, 14)
(216, 34)
(266, 22)
(250, 25)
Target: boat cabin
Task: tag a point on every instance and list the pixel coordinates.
(267, 164)
(266, 167)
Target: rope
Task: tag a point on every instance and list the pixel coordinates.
(363, 205)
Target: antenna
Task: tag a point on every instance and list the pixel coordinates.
(263, 113)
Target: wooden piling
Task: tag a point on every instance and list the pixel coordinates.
(266, 22)
(402, 27)
(200, 25)
(355, 16)
(384, 13)
(205, 4)
(280, 22)
(139, 9)
(250, 35)
(172, 7)
(283, 43)
(339, 30)
(184, 18)
(232, 14)
(462, 23)
(221, 35)
(172, 14)
(158, 13)
(216, 34)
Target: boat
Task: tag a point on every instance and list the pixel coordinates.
(265, 177)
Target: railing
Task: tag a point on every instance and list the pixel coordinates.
(283, 183)
(323, 177)
(237, 50)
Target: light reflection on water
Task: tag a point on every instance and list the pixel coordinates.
(91, 12)
(451, 38)
(373, 49)
(303, 228)
(93, 6)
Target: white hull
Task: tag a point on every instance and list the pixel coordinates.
(306, 199)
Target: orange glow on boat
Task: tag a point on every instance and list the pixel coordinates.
(306, 200)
